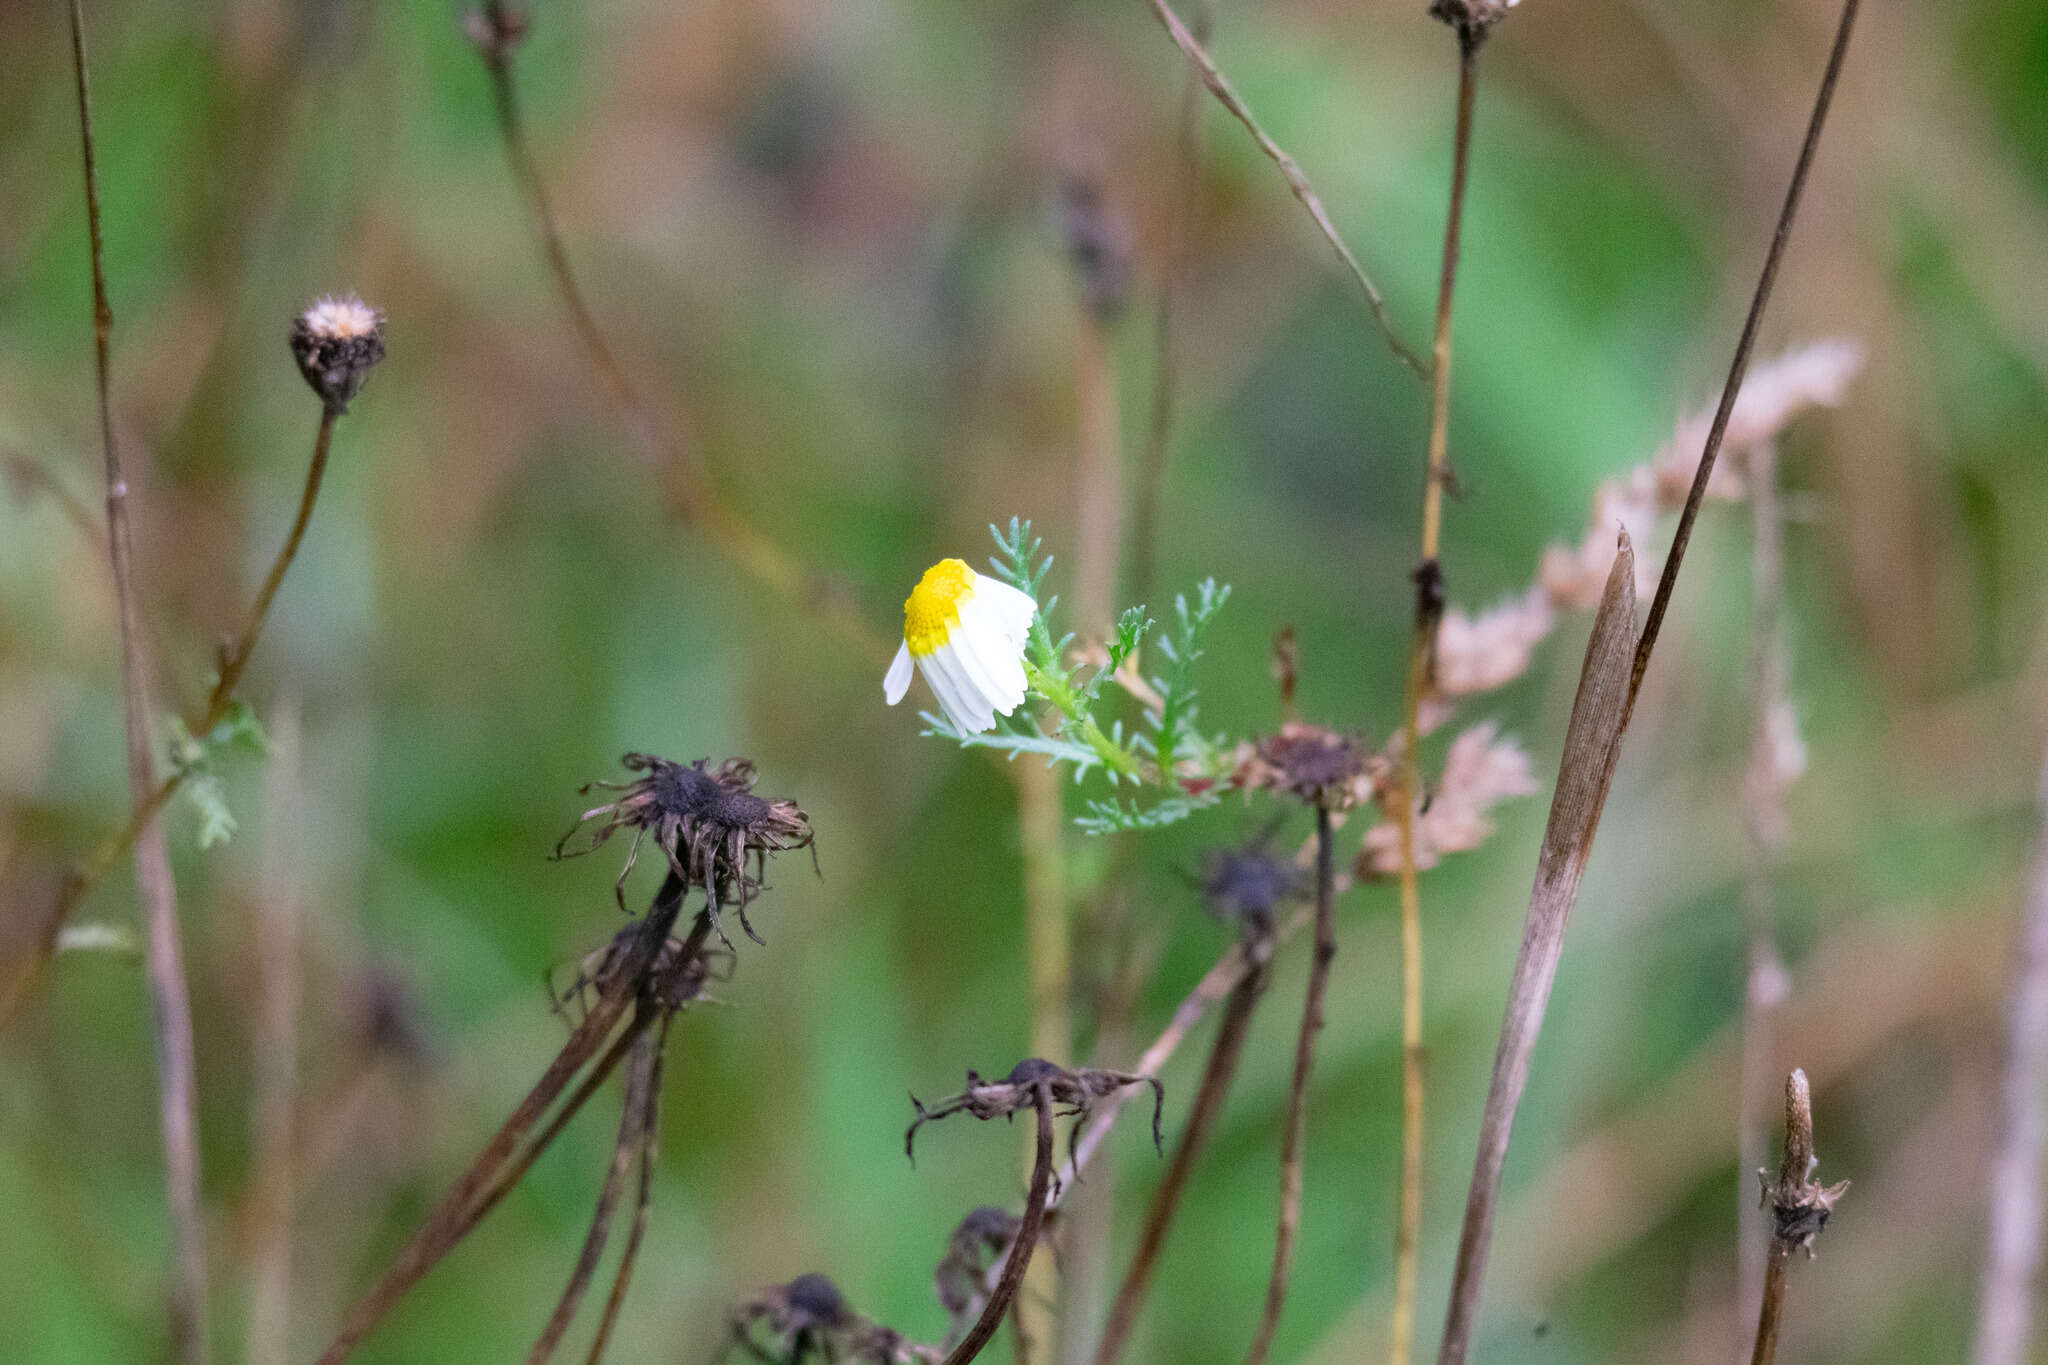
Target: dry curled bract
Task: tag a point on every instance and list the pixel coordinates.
(708, 823)
(1319, 767)
(1017, 1093)
(808, 1319)
(1480, 771)
(977, 1246)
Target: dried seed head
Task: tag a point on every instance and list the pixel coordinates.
(1473, 19)
(337, 342)
(705, 820)
(1481, 771)
(1246, 886)
(1098, 244)
(496, 30)
(1319, 767)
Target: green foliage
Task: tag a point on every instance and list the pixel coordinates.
(196, 761)
(1154, 758)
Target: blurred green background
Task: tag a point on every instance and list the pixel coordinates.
(824, 236)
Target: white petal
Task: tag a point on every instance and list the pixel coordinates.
(1012, 608)
(999, 661)
(898, 681)
(973, 644)
(961, 699)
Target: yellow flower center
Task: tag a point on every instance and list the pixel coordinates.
(933, 607)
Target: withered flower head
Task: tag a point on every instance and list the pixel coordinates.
(1473, 19)
(1017, 1093)
(1098, 244)
(1316, 766)
(496, 29)
(976, 1246)
(707, 821)
(1245, 886)
(677, 985)
(808, 1318)
(336, 342)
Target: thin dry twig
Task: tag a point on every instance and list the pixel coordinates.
(1429, 609)
(2013, 1238)
(190, 1331)
(650, 1152)
(633, 1117)
(502, 1162)
(496, 31)
(1208, 1105)
(1019, 1258)
(1226, 94)
(1294, 1132)
(1737, 368)
(1591, 744)
(1589, 770)
(1799, 1210)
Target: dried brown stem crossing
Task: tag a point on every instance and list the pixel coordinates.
(1294, 1134)
(1019, 1257)
(165, 960)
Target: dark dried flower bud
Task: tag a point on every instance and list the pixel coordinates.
(496, 30)
(1318, 767)
(336, 342)
(1473, 19)
(1246, 886)
(1098, 243)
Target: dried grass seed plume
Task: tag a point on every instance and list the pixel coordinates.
(337, 342)
(1480, 771)
(706, 821)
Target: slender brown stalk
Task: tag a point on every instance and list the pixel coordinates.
(2013, 1239)
(1019, 1258)
(276, 1045)
(1737, 368)
(234, 661)
(1294, 1134)
(1429, 606)
(1226, 94)
(501, 1163)
(497, 32)
(171, 1003)
(1764, 814)
(1208, 1105)
(632, 1122)
(1182, 236)
(1799, 1210)
(1568, 845)
(650, 1152)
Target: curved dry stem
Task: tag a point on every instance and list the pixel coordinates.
(494, 1171)
(1429, 605)
(1294, 1135)
(1226, 94)
(650, 1151)
(632, 1122)
(1208, 1105)
(164, 955)
(1026, 1242)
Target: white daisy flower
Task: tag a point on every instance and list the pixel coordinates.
(966, 632)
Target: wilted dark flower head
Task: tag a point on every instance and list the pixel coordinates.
(976, 1246)
(336, 342)
(707, 821)
(1319, 767)
(496, 29)
(390, 1017)
(1017, 1093)
(1245, 886)
(674, 989)
(809, 1319)
(1473, 19)
(1098, 244)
